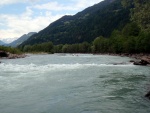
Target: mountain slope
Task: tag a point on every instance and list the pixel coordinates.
(2, 43)
(21, 39)
(100, 19)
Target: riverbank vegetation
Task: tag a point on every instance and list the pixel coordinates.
(37, 48)
(10, 53)
(10, 50)
(130, 40)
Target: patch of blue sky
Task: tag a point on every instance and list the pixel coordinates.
(13, 9)
(38, 13)
(59, 1)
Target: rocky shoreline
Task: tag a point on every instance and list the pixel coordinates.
(14, 56)
(8, 55)
(138, 59)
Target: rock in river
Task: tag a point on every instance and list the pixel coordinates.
(141, 62)
(148, 95)
(3, 54)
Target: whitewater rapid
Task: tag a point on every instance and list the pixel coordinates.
(71, 83)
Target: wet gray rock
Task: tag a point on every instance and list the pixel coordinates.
(14, 56)
(148, 95)
(8, 55)
(141, 62)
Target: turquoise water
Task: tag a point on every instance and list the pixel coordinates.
(68, 83)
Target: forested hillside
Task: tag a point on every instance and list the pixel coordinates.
(112, 26)
(98, 20)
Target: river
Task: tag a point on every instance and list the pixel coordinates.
(73, 83)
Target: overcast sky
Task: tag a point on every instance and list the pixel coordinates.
(18, 17)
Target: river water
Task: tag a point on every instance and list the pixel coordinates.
(68, 83)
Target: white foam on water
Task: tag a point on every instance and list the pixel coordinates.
(40, 68)
(49, 67)
(78, 55)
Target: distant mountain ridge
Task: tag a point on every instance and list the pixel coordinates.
(2, 43)
(98, 20)
(21, 39)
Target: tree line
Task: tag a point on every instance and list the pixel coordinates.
(131, 39)
(10, 50)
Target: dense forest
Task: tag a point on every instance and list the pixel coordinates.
(130, 35)
(135, 41)
(98, 20)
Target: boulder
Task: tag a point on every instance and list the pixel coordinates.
(10, 55)
(14, 56)
(141, 62)
(3, 54)
(148, 95)
(132, 61)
